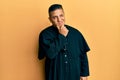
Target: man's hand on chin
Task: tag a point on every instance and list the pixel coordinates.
(63, 30)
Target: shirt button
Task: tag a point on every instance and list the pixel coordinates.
(66, 62)
(65, 55)
(65, 49)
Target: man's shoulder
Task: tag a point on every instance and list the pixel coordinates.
(47, 29)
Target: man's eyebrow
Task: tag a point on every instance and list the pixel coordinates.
(53, 16)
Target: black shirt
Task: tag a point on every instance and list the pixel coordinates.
(66, 57)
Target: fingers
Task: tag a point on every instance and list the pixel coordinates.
(60, 27)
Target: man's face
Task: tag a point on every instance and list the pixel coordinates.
(57, 18)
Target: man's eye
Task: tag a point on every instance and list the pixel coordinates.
(54, 17)
(61, 15)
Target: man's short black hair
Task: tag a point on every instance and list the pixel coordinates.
(54, 7)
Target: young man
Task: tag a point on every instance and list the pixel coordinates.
(64, 48)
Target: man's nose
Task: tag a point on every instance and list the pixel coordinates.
(58, 19)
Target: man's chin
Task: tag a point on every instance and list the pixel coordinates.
(60, 25)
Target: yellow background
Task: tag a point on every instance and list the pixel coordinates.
(22, 20)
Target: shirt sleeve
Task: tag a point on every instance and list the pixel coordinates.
(84, 65)
(50, 47)
(84, 46)
(84, 59)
